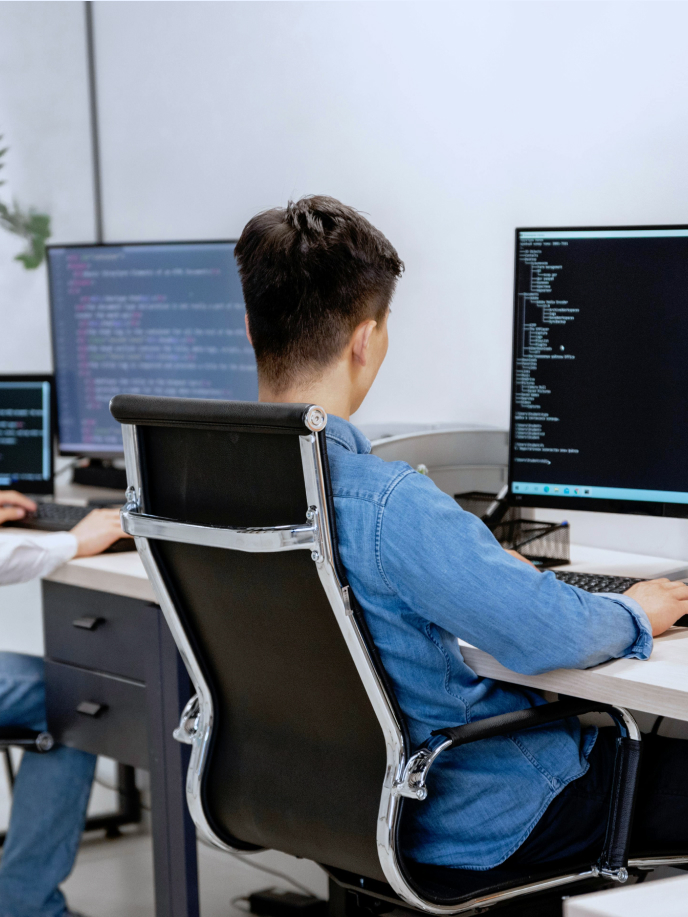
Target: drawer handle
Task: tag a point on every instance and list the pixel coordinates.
(88, 623)
(89, 708)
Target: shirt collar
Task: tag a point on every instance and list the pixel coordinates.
(345, 434)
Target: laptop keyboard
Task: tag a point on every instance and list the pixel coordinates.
(55, 517)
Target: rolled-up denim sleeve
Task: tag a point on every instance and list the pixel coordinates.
(447, 567)
(642, 648)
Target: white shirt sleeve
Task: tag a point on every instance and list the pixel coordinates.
(24, 557)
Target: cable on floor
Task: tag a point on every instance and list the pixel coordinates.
(237, 856)
(259, 866)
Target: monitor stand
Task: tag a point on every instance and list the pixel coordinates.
(100, 473)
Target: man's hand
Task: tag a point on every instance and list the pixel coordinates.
(14, 506)
(662, 600)
(97, 531)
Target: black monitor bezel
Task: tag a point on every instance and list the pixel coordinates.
(41, 488)
(631, 507)
(96, 453)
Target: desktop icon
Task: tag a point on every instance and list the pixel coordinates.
(546, 490)
(566, 490)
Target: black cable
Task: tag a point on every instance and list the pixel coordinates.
(655, 726)
(259, 866)
(67, 467)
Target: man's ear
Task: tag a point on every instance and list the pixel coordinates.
(361, 340)
(248, 330)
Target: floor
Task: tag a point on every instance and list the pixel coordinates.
(115, 878)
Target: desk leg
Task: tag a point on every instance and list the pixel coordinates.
(174, 835)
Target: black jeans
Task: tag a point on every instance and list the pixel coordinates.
(575, 822)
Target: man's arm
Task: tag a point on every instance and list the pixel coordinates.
(24, 556)
(448, 568)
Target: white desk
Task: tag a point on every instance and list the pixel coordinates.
(666, 898)
(658, 685)
(119, 574)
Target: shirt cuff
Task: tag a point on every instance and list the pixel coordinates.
(641, 648)
(62, 546)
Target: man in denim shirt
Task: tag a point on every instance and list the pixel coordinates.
(318, 280)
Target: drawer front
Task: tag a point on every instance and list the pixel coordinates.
(97, 713)
(97, 630)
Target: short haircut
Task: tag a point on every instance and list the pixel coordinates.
(311, 273)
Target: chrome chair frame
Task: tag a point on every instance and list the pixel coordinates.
(403, 778)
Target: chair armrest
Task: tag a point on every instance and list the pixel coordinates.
(518, 720)
(614, 857)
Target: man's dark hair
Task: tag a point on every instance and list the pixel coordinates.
(311, 273)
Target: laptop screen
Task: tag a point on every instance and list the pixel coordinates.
(26, 455)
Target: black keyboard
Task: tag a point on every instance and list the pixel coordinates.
(55, 517)
(597, 582)
(600, 582)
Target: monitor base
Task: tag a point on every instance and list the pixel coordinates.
(100, 473)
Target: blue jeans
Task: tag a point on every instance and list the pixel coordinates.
(50, 799)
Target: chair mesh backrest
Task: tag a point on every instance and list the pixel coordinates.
(297, 758)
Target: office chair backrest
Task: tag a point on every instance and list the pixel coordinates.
(296, 756)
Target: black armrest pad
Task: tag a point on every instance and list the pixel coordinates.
(622, 803)
(248, 416)
(519, 719)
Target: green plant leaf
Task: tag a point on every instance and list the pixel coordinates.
(32, 226)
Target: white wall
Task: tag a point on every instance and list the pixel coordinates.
(449, 123)
(44, 120)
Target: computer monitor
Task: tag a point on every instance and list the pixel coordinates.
(599, 406)
(26, 434)
(151, 318)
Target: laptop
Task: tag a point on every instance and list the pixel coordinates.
(27, 429)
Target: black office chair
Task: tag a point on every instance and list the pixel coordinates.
(298, 743)
(26, 739)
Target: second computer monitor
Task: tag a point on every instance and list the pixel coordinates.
(26, 434)
(154, 319)
(600, 385)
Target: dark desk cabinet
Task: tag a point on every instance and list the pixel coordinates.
(95, 648)
(115, 686)
(97, 713)
(97, 630)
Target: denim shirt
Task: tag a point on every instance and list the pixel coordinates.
(425, 572)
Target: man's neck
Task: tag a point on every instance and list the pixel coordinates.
(331, 405)
(331, 392)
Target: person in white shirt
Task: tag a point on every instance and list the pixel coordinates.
(51, 790)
